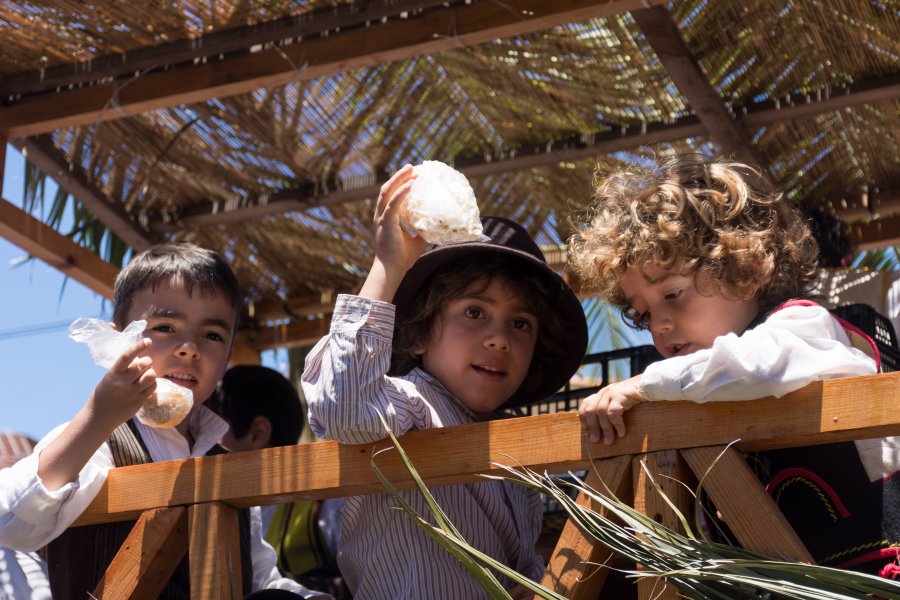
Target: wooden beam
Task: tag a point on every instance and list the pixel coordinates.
(56, 250)
(148, 557)
(822, 100)
(337, 191)
(295, 334)
(577, 569)
(876, 234)
(377, 43)
(670, 474)
(2, 162)
(750, 513)
(664, 37)
(823, 412)
(48, 158)
(214, 552)
(230, 42)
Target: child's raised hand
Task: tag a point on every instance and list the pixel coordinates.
(394, 245)
(127, 385)
(395, 249)
(604, 412)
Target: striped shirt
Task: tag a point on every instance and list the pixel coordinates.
(382, 553)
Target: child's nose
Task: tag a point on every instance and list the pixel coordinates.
(188, 349)
(498, 339)
(660, 323)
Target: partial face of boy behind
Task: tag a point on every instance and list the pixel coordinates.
(680, 318)
(191, 334)
(481, 345)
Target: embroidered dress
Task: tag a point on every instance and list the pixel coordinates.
(841, 499)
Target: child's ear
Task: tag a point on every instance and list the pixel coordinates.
(114, 326)
(260, 432)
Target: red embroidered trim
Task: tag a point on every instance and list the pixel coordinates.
(890, 570)
(807, 474)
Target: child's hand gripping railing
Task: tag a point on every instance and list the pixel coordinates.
(189, 505)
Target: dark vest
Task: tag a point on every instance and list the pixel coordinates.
(845, 520)
(78, 558)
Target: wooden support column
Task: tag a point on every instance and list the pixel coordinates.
(747, 509)
(215, 552)
(244, 354)
(2, 162)
(147, 558)
(576, 568)
(670, 473)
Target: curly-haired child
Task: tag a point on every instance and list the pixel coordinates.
(715, 265)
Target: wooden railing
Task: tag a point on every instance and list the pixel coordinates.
(189, 505)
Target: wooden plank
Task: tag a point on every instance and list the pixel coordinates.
(828, 411)
(671, 475)
(56, 250)
(215, 552)
(2, 162)
(575, 570)
(747, 509)
(295, 334)
(226, 41)
(876, 234)
(434, 31)
(147, 558)
(823, 100)
(49, 159)
(336, 192)
(241, 354)
(664, 37)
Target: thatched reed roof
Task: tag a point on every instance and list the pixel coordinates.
(264, 130)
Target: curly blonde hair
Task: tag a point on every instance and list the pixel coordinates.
(715, 219)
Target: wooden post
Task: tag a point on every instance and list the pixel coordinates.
(243, 354)
(2, 162)
(215, 552)
(148, 557)
(572, 569)
(747, 509)
(671, 475)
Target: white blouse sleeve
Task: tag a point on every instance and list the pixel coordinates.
(791, 349)
(30, 515)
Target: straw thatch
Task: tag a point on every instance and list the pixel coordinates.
(607, 90)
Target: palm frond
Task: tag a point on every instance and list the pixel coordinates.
(700, 569)
(85, 229)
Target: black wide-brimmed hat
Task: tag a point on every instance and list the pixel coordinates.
(509, 238)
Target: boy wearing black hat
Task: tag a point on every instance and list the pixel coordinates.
(479, 325)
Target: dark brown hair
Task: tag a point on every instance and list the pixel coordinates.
(415, 327)
(178, 263)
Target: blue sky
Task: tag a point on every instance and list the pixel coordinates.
(44, 376)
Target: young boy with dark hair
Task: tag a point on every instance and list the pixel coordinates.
(479, 326)
(263, 410)
(261, 407)
(190, 299)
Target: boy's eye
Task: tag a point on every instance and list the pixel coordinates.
(473, 312)
(164, 328)
(638, 320)
(215, 337)
(673, 295)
